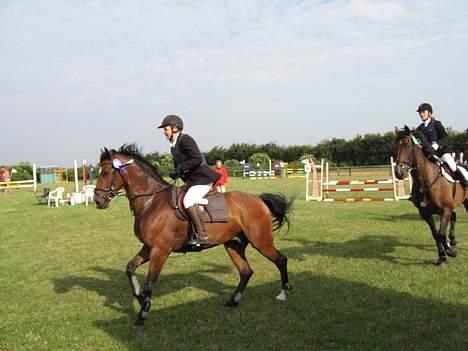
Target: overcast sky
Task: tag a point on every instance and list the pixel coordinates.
(79, 75)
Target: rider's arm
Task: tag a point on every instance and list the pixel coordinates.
(442, 136)
(193, 156)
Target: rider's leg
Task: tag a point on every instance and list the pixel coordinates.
(460, 173)
(193, 197)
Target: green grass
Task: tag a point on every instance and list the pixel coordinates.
(361, 274)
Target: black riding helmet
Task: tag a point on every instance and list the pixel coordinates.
(424, 107)
(172, 120)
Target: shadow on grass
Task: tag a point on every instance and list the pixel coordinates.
(381, 247)
(398, 217)
(325, 313)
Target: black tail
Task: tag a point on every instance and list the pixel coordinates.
(280, 208)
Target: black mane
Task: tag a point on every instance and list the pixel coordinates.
(132, 151)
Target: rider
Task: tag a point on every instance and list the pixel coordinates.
(437, 136)
(191, 167)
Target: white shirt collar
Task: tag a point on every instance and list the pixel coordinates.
(427, 121)
(174, 140)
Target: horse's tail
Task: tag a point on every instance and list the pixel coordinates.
(280, 208)
(466, 204)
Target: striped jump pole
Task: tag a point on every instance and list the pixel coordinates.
(327, 187)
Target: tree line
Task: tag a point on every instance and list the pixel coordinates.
(362, 150)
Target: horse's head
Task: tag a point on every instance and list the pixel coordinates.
(404, 150)
(111, 177)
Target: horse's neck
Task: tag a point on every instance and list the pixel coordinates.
(426, 169)
(140, 187)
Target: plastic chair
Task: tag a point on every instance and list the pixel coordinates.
(88, 193)
(56, 196)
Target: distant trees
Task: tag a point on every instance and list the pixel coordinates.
(362, 150)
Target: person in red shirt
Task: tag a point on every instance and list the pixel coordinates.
(221, 183)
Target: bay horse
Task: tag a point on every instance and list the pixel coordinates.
(250, 221)
(436, 194)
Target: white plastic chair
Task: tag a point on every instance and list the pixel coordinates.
(56, 196)
(88, 193)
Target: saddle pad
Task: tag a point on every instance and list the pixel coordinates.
(215, 211)
(446, 172)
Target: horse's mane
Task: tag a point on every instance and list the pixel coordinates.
(405, 132)
(132, 151)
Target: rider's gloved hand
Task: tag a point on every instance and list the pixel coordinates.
(173, 175)
(435, 146)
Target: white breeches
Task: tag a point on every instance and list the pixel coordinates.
(448, 159)
(195, 195)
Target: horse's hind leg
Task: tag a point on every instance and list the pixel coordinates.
(236, 250)
(452, 251)
(266, 248)
(140, 258)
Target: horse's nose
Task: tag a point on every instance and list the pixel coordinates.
(399, 173)
(99, 202)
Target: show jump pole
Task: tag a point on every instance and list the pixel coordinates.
(75, 167)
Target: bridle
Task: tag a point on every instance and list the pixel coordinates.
(110, 191)
(406, 165)
(119, 167)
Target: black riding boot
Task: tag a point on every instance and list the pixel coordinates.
(459, 176)
(200, 236)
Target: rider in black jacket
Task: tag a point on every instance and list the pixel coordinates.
(438, 139)
(191, 167)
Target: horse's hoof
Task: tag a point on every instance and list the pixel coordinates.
(452, 252)
(441, 263)
(139, 329)
(231, 304)
(283, 295)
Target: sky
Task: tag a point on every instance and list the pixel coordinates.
(76, 76)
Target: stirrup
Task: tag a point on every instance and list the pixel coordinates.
(196, 241)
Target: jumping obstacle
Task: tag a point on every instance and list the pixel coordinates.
(251, 173)
(321, 189)
(16, 184)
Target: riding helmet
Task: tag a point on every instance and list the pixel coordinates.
(172, 120)
(424, 106)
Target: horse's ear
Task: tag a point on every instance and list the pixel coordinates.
(397, 130)
(407, 129)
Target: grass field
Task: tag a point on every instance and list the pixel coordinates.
(361, 274)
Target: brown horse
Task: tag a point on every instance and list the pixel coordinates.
(436, 194)
(161, 232)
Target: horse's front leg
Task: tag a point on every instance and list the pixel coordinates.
(452, 252)
(426, 214)
(156, 262)
(442, 245)
(141, 257)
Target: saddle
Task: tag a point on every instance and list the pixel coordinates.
(214, 212)
(446, 172)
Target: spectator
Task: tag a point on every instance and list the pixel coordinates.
(221, 183)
